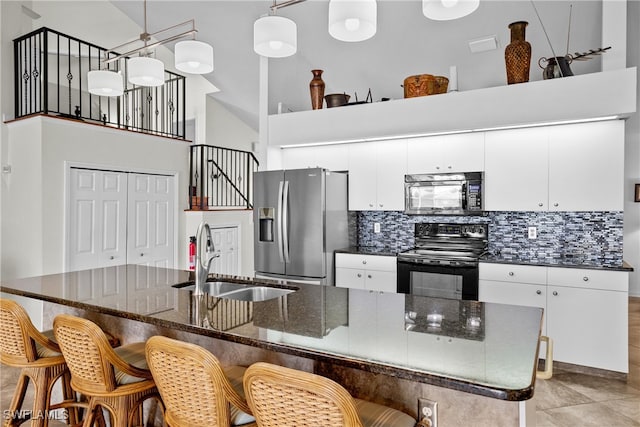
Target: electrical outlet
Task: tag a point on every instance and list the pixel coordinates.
(376, 227)
(533, 233)
(428, 412)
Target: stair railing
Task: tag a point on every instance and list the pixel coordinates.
(221, 177)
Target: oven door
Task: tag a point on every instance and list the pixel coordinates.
(439, 281)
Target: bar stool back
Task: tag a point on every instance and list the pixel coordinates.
(23, 346)
(280, 396)
(114, 379)
(194, 387)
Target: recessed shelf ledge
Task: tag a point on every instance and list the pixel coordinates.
(598, 96)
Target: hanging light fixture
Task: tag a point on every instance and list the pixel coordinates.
(276, 36)
(352, 20)
(145, 71)
(194, 57)
(105, 83)
(191, 57)
(445, 10)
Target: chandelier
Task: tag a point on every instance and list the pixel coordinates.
(191, 56)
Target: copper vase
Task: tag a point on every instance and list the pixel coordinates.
(316, 88)
(517, 55)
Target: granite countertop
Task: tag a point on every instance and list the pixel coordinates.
(481, 348)
(507, 258)
(368, 250)
(566, 262)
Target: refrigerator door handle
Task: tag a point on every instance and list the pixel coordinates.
(285, 222)
(279, 221)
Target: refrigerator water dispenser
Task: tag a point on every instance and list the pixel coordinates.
(266, 224)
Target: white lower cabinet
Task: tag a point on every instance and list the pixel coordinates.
(371, 272)
(586, 311)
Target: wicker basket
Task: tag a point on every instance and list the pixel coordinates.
(424, 84)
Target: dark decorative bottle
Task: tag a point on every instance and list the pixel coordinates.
(517, 55)
(317, 90)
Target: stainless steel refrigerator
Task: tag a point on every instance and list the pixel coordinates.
(300, 218)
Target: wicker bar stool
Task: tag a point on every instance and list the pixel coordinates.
(116, 379)
(280, 397)
(195, 389)
(23, 346)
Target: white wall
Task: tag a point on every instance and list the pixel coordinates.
(226, 130)
(632, 157)
(34, 201)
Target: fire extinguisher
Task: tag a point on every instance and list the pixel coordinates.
(192, 253)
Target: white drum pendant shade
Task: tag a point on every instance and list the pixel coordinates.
(105, 83)
(352, 20)
(143, 71)
(444, 10)
(194, 57)
(275, 36)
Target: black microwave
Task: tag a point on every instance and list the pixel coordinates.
(444, 194)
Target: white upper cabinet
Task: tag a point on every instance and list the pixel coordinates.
(333, 157)
(576, 167)
(376, 175)
(586, 167)
(446, 153)
(516, 170)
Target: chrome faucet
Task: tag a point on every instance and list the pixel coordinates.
(202, 267)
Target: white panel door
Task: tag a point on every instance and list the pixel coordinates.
(151, 220)
(97, 219)
(225, 242)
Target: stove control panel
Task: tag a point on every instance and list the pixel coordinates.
(474, 231)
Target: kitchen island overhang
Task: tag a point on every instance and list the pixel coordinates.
(375, 332)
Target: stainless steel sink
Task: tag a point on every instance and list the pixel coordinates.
(237, 291)
(257, 293)
(214, 288)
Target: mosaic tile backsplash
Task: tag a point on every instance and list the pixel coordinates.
(592, 237)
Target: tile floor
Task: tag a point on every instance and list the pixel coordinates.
(568, 399)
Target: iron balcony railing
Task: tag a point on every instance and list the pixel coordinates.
(221, 177)
(51, 78)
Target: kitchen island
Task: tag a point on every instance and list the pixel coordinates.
(477, 360)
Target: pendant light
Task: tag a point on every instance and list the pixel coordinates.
(352, 20)
(275, 36)
(445, 10)
(145, 71)
(105, 83)
(193, 57)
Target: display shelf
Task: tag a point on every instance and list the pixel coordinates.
(589, 96)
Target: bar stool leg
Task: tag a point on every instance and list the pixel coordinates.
(18, 399)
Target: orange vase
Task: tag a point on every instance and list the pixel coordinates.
(317, 90)
(517, 55)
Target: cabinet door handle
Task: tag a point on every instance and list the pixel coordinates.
(141, 253)
(511, 273)
(359, 275)
(555, 204)
(381, 205)
(370, 205)
(368, 276)
(555, 293)
(540, 204)
(364, 261)
(539, 292)
(585, 278)
(438, 167)
(449, 167)
(111, 257)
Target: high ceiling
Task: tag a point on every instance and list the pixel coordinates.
(406, 43)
